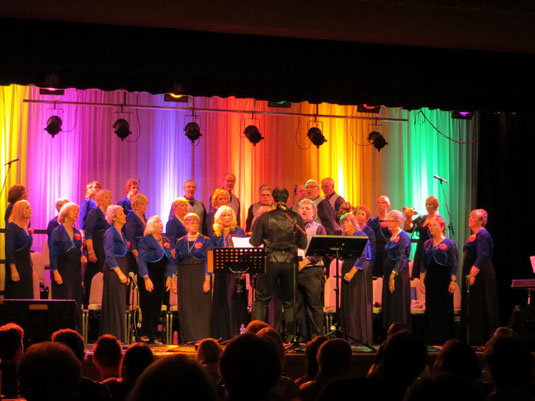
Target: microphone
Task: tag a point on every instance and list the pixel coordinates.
(11, 161)
(133, 279)
(440, 178)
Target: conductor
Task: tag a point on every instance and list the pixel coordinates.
(281, 231)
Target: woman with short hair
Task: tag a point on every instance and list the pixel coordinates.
(438, 277)
(175, 228)
(382, 234)
(396, 296)
(479, 310)
(115, 274)
(155, 267)
(66, 256)
(89, 203)
(19, 240)
(219, 198)
(194, 282)
(229, 309)
(131, 187)
(15, 194)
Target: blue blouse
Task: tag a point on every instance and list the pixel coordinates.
(174, 229)
(86, 206)
(61, 243)
(366, 253)
(150, 251)
(375, 224)
(398, 250)
(126, 205)
(114, 246)
(220, 242)
(134, 229)
(17, 238)
(444, 254)
(198, 250)
(368, 231)
(479, 248)
(96, 221)
(52, 224)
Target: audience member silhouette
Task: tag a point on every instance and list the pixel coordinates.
(311, 354)
(136, 359)
(11, 350)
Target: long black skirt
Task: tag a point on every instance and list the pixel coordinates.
(114, 301)
(151, 302)
(438, 304)
(380, 242)
(479, 306)
(229, 308)
(356, 303)
(396, 306)
(22, 289)
(70, 269)
(193, 304)
(94, 268)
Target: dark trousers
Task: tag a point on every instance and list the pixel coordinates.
(282, 274)
(310, 283)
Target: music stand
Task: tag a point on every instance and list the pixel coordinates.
(339, 247)
(239, 261)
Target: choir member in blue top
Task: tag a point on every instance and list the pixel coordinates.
(420, 225)
(229, 308)
(66, 256)
(131, 187)
(396, 295)
(175, 228)
(356, 305)
(89, 202)
(19, 275)
(438, 277)
(115, 274)
(382, 234)
(479, 304)
(194, 282)
(96, 225)
(219, 198)
(135, 228)
(52, 224)
(155, 266)
(363, 214)
(15, 194)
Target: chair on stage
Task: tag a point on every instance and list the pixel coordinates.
(39, 263)
(36, 286)
(132, 309)
(171, 313)
(95, 303)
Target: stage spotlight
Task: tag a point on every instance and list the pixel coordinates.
(252, 133)
(377, 140)
(364, 108)
(193, 131)
(316, 137)
(53, 125)
(462, 115)
(122, 128)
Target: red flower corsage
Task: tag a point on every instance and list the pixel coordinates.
(77, 237)
(396, 239)
(198, 245)
(472, 238)
(30, 231)
(443, 247)
(128, 244)
(383, 224)
(167, 245)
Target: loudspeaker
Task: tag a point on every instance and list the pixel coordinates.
(39, 318)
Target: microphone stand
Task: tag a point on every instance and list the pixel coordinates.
(450, 226)
(9, 163)
(135, 308)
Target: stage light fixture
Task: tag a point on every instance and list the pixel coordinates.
(462, 115)
(122, 128)
(377, 140)
(316, 136)
(175, 98)
(252, 133)
(51, 91)
(280, 105)
(53, 125)
(193, 131)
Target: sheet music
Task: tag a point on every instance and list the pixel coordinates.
(243, 242)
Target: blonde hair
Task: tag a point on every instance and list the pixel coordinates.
(176, 202)
(218, 192)
(138, 198)
(111, 212)
(149, 227)
(386, 199)
(60, 202)
(18, 211)
(218, 227)
(65, 210)
(192, 216)
(100, 194)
